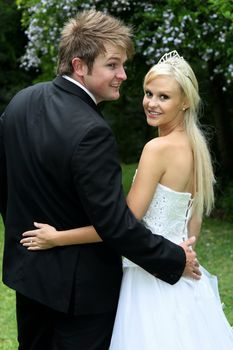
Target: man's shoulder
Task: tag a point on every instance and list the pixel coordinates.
(38, 86)
(31, 89)
(27, 93)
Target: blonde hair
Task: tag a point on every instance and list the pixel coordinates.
(203, 169)
(85, 36)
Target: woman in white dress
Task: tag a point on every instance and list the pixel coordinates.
(171, 191)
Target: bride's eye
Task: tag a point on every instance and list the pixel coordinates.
(163, 97)
(148, 93)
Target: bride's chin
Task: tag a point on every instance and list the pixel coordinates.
(151, 121)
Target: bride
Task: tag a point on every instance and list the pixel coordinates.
(172, 189)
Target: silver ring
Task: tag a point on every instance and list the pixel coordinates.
(31, 241)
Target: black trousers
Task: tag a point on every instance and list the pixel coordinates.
(40, 327)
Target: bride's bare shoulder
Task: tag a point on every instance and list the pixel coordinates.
(159, 144)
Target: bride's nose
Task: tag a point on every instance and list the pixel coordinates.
(153, 102)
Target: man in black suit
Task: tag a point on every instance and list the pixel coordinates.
(58, 162)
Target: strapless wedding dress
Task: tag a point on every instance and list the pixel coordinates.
(154, 315)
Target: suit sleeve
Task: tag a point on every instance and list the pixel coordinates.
(3, 181)
(98, 179)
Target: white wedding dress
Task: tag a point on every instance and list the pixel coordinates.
(154, 315)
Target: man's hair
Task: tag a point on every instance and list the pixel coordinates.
(85, 36)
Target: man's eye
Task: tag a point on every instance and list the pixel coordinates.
(112, 65)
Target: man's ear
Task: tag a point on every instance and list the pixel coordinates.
(79, 67)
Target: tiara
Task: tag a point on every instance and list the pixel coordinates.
(171, 57)
(174, 59)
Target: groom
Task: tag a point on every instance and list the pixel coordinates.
(59, 164)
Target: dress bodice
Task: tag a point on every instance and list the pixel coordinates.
(168, 214)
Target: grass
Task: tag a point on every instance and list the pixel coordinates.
(8, 332)
(215, 253)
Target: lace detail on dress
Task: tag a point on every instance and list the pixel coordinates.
(170, 209)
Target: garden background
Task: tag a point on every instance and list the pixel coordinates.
(200, 31)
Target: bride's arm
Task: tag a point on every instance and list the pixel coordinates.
(152, 166)
(46, 237)
(138, 200)
(194, 227)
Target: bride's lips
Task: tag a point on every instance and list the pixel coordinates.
(153, 114)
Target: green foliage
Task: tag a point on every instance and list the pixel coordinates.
(43, 21)
(12, 42)
(201, 31)
(223, 6)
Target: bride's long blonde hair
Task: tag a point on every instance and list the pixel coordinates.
(178, 68)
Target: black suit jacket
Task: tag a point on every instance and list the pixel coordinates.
(59, 165)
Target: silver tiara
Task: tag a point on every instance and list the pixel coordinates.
(171, 57)
(174, 59)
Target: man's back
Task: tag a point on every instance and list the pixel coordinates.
(43, 127)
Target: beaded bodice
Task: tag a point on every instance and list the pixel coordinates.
(168, 214)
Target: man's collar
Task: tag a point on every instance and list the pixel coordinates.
(81, 86)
